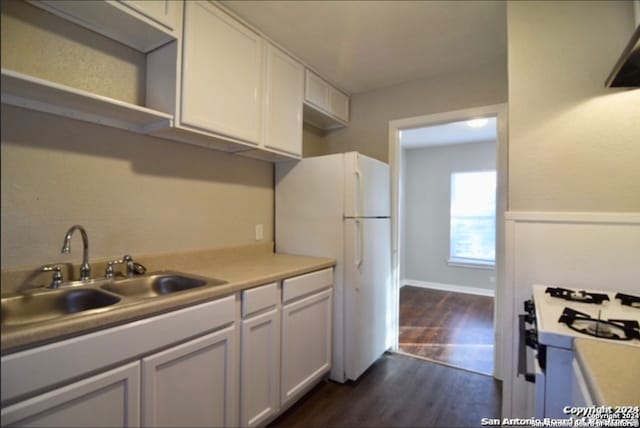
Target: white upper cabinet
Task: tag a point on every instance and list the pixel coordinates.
(338, 104)
(222, 74)
(209, 78)
(90, 82)
(165, 12)
(130, 24)
(316, 91)
(284, 99)
(325, 106)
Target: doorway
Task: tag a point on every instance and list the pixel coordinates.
(447, 245)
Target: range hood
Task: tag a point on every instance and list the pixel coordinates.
(626, 72)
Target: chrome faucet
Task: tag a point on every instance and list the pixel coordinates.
(85, 269)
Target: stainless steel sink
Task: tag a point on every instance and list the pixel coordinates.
(49, 304)
(93, 296)
(160, 283)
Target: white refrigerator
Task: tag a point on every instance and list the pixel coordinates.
(339, 206)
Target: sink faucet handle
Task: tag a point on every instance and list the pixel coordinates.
(57, 274)
(108, 273)
(133, 268)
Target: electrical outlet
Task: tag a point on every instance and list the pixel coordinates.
(259, 232)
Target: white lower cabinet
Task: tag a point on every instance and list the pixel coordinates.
(184, 373)
(235, 361)
(260, 370)
(109, 399)
(286, 344)
(306, 335)
(191, 384)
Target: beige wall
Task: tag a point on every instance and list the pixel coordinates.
(313, 143)
(573, 145)
(41, 44)
(368, 131)
(134, 194)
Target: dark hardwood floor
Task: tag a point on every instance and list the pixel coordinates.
(453, 328)
(399, 391)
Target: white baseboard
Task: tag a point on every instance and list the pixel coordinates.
(448, 287)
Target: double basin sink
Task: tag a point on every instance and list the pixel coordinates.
(95, 296)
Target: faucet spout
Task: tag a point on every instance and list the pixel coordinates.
(85, 269)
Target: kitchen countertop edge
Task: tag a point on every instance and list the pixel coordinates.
(241, 275)
(603, 368)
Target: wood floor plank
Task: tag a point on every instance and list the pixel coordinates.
(453, 328)
(399, 391)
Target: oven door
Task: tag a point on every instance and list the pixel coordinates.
(527, 338)
(530, 350)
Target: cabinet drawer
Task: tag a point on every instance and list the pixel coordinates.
(302, 285)
(259, 298)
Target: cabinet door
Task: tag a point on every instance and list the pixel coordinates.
(110, 399)
(260, 368)
(284, 99)
(306, 344)
(222, 74)
(316, 91)
(191, 385)
(164, 12)
(338, 104)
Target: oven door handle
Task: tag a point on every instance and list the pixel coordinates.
(522, 351)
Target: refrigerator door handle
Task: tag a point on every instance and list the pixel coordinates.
(359, 244)
(358, 199)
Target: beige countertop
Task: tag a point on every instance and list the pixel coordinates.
(610, 371)
(242, 268)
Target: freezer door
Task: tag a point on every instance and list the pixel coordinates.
(308, 205)
(367, 270)
(367, 187)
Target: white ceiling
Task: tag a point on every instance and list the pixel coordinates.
(448, 133)
(364, 45)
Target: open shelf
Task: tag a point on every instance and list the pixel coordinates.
(30, 92)
(320, 120)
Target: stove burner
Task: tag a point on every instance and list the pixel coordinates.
(606, 329)
(628, 300)
(599, 329)
(577, 296)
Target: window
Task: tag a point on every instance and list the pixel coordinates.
(473, 218)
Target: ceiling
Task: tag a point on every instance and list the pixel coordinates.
(365, 45)
(448, 133)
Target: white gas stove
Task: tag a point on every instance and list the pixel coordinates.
(585, 313)
(556, 317)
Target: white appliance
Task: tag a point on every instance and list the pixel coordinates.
(338, 206)
(559, 315)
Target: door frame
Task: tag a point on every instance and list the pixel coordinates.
(396, 159)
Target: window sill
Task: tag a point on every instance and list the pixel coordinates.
(472, 264)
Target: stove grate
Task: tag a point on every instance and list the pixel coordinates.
(605, 329)
(629, 300)
(577, 296)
